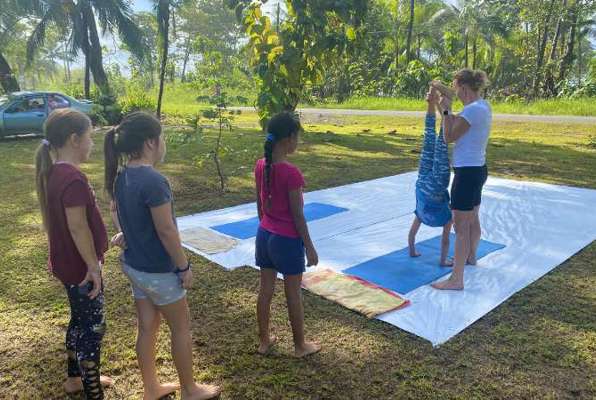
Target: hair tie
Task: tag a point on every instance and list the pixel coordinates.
(45, 142)
(270, 137)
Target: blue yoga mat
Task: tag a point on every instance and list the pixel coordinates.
(248, 228)
(401, 273)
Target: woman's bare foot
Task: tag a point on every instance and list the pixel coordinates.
(414, 253)
(265, 348)
(74, 384)
(307, 349)
(446, 263)
(448, 284)
(162, 390)
(201, 392)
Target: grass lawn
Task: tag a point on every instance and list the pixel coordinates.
(540, 344)
(580, 107)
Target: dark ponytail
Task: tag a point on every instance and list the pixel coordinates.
(43, 163)
(281, 126)
(126, 141)
(111, 161)
(59, 126)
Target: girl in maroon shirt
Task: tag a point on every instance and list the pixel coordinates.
(77, 241)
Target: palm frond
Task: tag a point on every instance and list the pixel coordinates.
(53, 14)
(116, 15)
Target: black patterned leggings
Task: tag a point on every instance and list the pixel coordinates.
(83, 339)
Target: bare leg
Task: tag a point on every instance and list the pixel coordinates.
(178, 318)
(266, 290)
(412, 237)
(445, 261)
(475, 233)
(147, 326)
(296, 312)
(462, 221)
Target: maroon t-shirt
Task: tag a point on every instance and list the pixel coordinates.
(68, 187)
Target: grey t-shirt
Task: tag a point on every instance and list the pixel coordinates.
(470, 149)
(137, 190)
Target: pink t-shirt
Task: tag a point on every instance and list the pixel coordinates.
(284, 178)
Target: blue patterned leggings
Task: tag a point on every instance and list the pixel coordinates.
(433, 172)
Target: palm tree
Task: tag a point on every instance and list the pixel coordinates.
(163, 27)
(10, 13)
(410, 28)
(79, 18)
(478, 23)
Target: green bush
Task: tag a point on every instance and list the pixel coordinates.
(137, 98)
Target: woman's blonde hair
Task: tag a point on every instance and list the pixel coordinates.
(474, 79)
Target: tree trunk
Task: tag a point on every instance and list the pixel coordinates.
(410, 28)
(549, 80)
(553, 50)
(95, 53)
(579, 63)
(87, 83)
(466, 63)
(568, 57)
(186, 56)
(7, 79)
(277, 18)
(541, 49)
(165, 10)
(418, 49)
(474, 50)
(397, 38)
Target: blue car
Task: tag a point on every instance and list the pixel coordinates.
(26, 112)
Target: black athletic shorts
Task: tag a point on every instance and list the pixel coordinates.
(466, 188)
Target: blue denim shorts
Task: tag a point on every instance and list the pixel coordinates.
(162, 289)
(284, 254)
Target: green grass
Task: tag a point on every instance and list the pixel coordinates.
(580, 107)
(539, 344)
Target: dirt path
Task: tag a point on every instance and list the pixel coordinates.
(550, 119)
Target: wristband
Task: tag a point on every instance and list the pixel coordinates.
(178, 270)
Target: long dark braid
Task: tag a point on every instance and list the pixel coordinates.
(282, 125)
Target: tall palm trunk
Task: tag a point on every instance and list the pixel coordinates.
(87, 82)
(186, 56)
(466, 62)
(397, 38)
(164, 28)
(7, 79)
(474, 51)
(553, 50)
(94, 52)
(549, 80)
(568, 57)
(541, 49)
(410, 28)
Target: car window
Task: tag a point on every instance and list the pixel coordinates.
(56, 101)
(30, 104)
(18, 106)
(37, 103)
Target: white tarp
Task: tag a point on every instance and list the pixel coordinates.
(541, 225)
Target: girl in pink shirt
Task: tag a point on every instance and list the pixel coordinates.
(283, 237)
